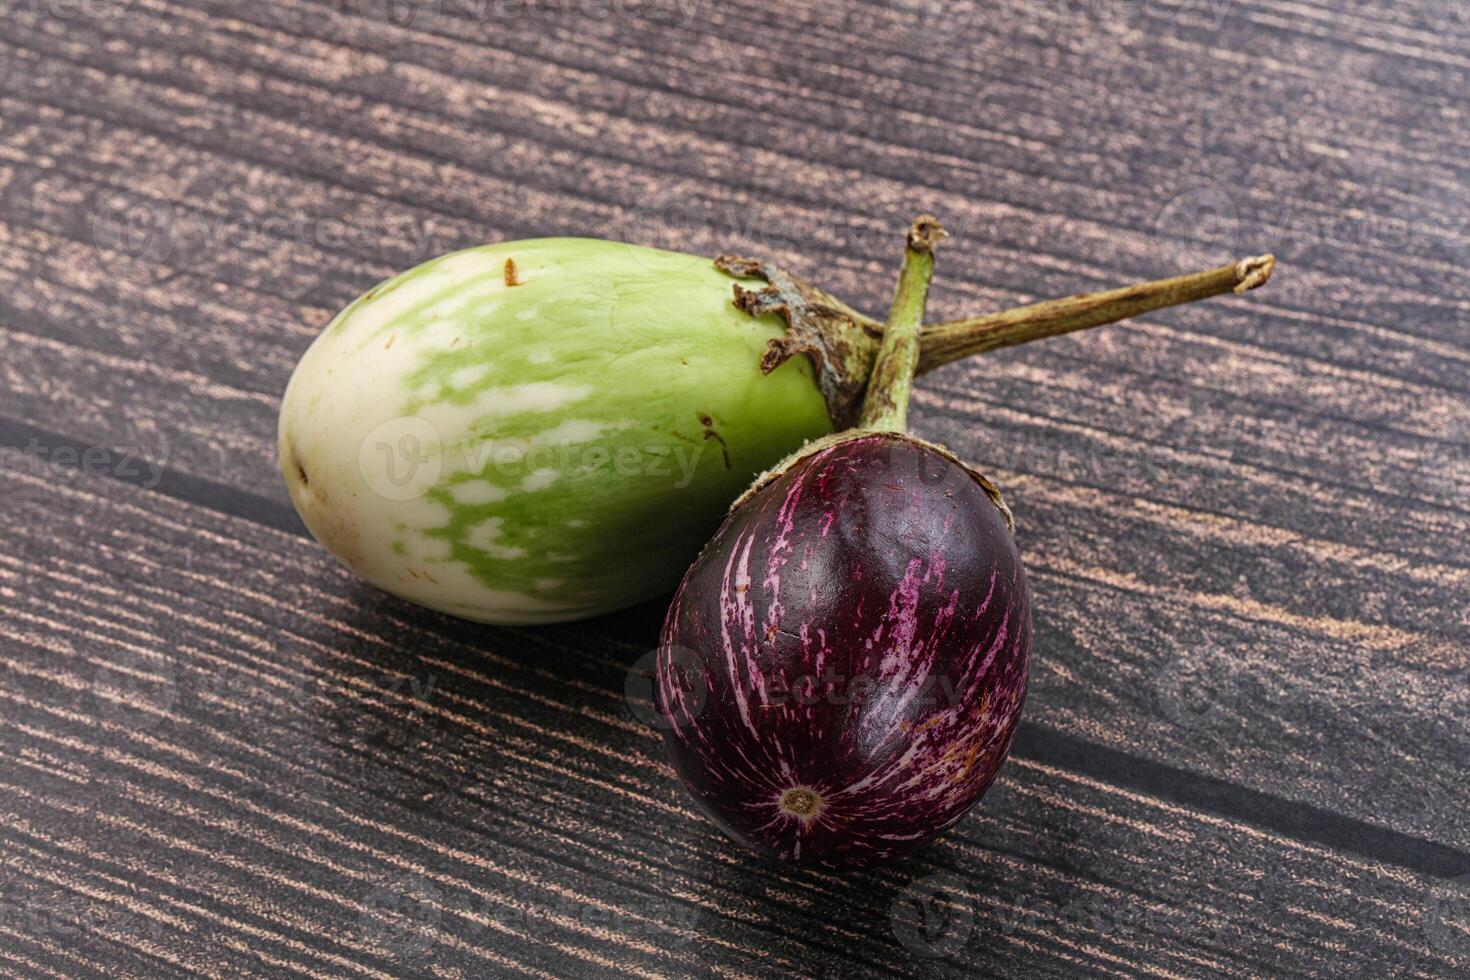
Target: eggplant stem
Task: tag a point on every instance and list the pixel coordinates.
(886, 406)
(952, 340)
(843, 343)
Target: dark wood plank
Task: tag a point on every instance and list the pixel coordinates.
(1158, 469)
(1262, 498)
(250, 772)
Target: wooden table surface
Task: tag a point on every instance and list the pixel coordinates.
(1245, 522)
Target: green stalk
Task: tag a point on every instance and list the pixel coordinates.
(886, 406)
(954, 340)
(844, 343)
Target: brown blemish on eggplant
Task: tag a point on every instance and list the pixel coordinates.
(710, 433)
(970, 758)
(510, 273)
(382, 289)
(389, 345)
(295, 464)
(299, 468)
(937, 719)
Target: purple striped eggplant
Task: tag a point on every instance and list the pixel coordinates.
(860, 631)
(864, 627)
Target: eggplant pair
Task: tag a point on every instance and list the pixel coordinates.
(547, 430)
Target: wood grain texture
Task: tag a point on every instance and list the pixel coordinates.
(1245, 522)
(249, 760)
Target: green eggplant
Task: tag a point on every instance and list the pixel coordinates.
(547, 430)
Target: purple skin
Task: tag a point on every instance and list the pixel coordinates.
(843, 667)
